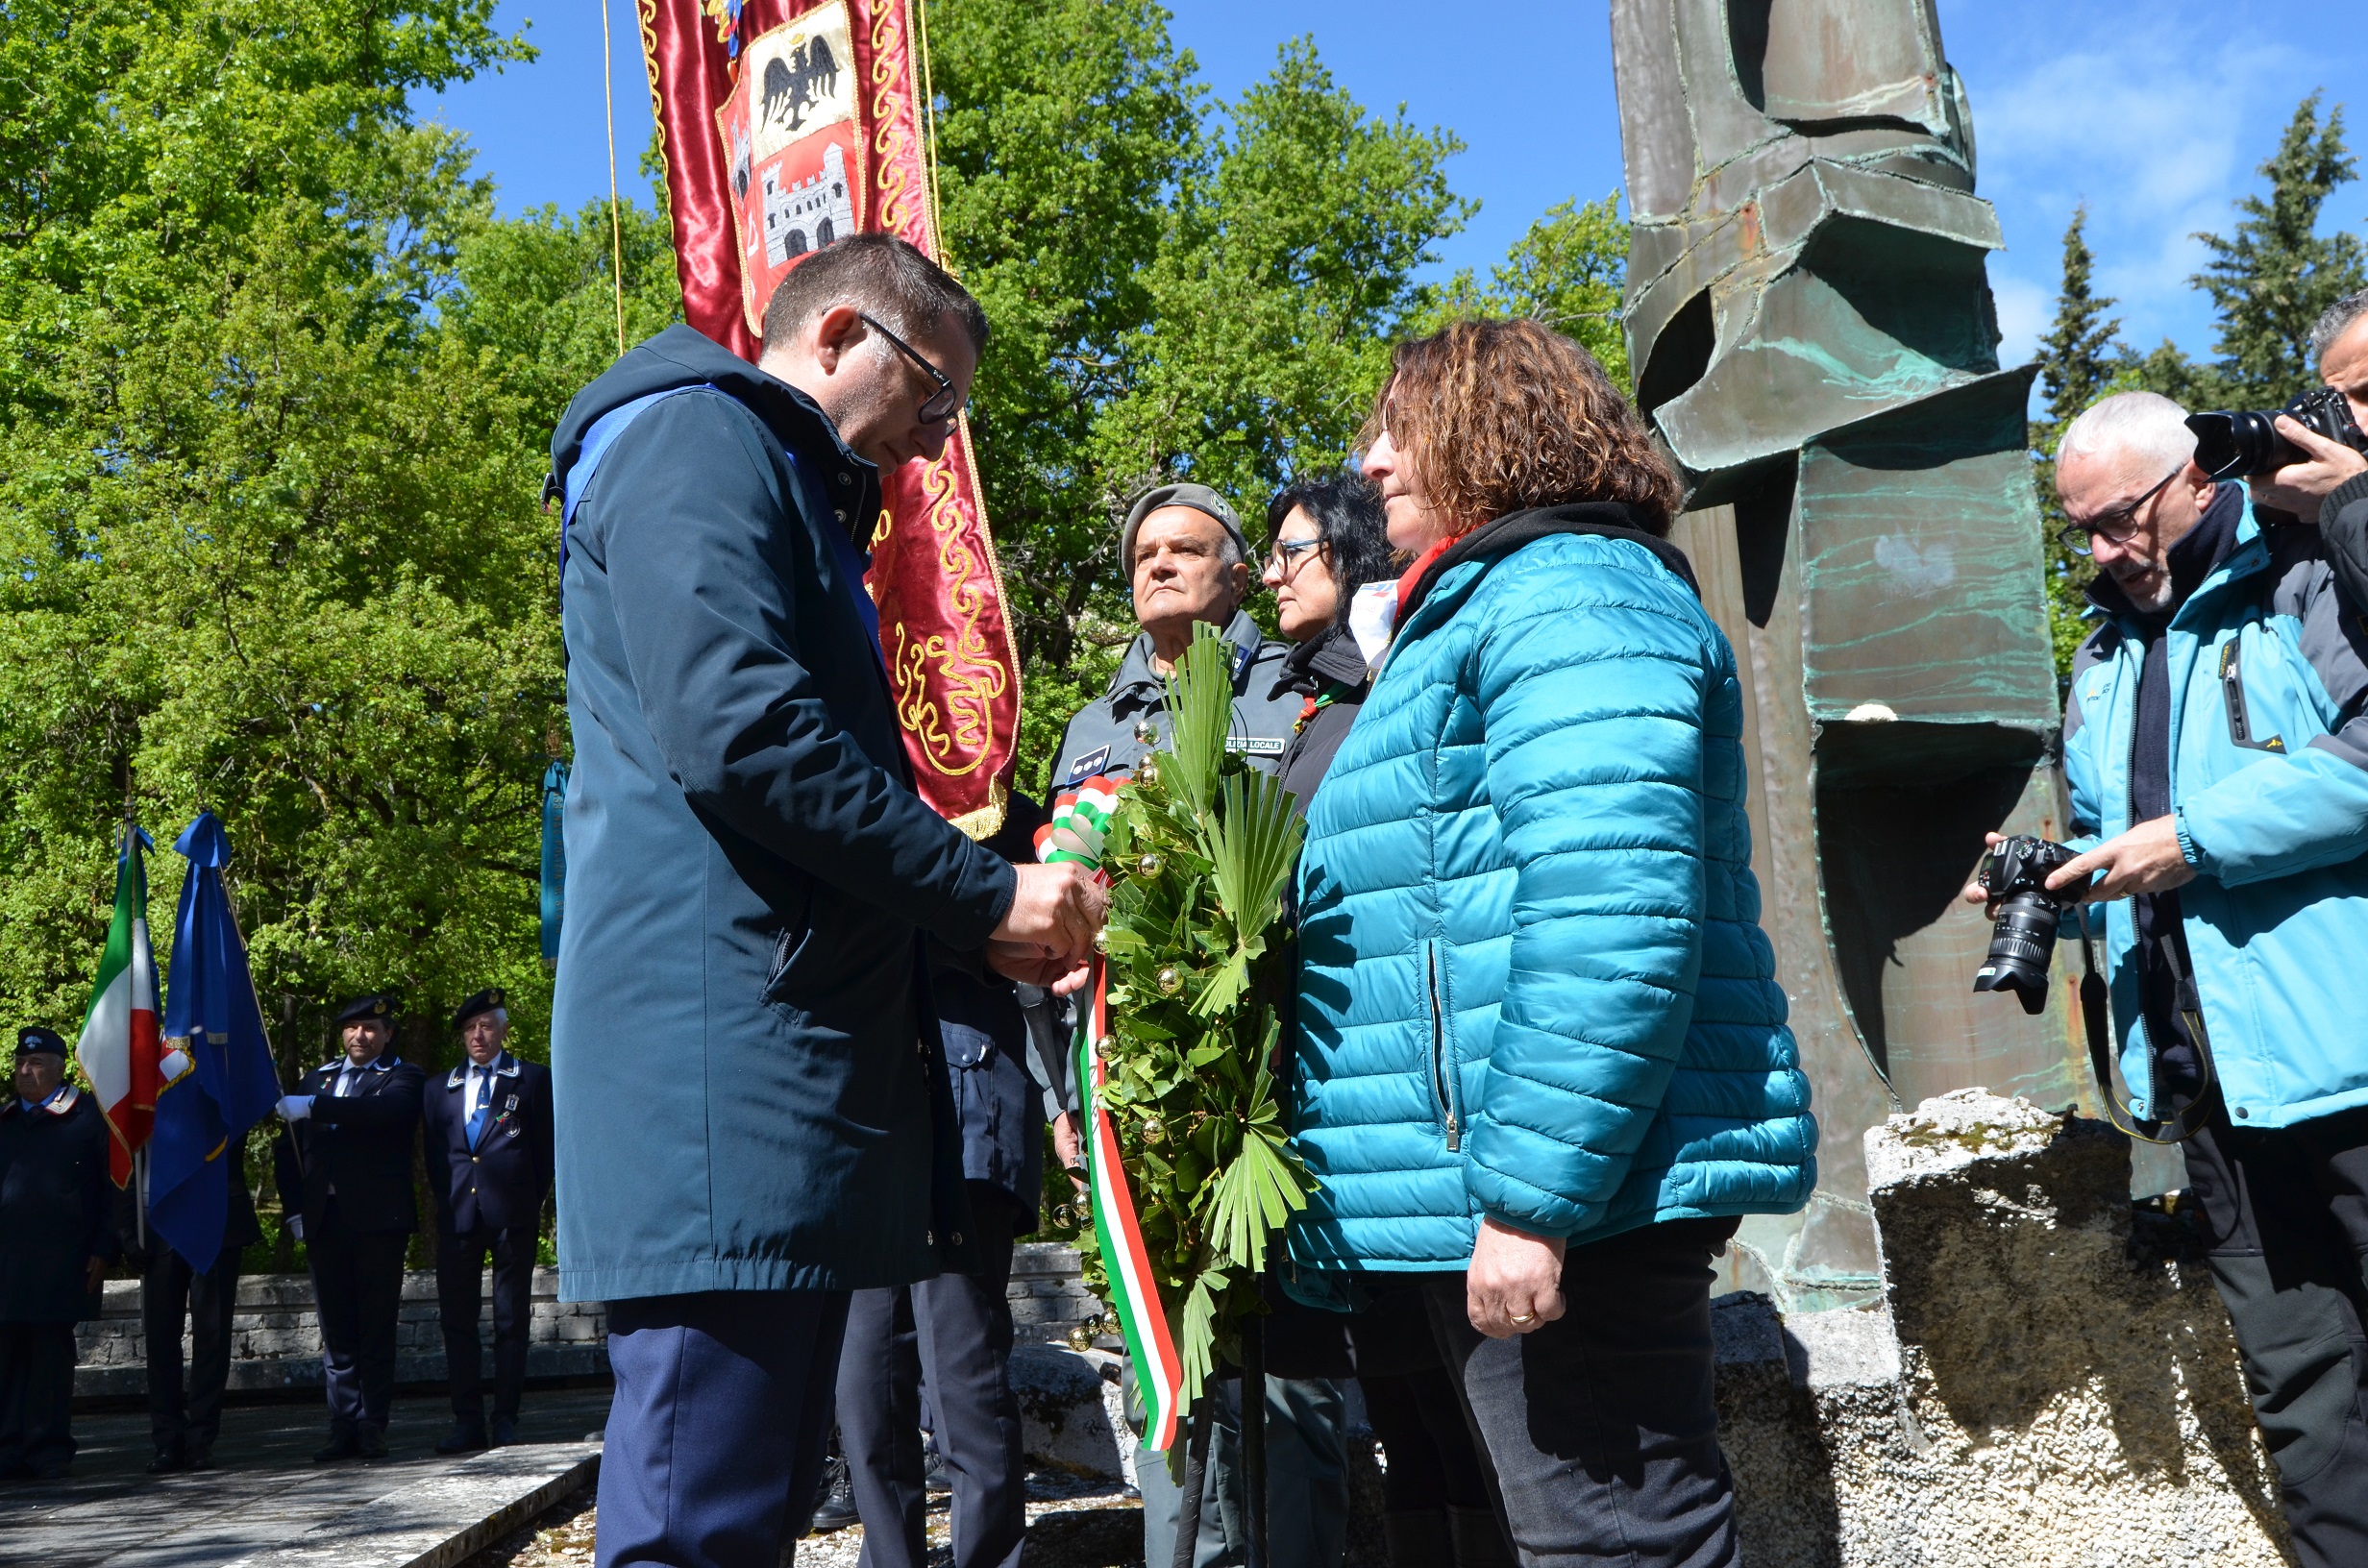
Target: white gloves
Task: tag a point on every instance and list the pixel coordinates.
(295, 1108)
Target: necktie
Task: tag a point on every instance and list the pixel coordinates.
(484, 1106)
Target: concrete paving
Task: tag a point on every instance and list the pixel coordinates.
(264, 1493)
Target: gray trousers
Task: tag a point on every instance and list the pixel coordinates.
(1307, 1481)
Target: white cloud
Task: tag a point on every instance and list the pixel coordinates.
(2143, 111)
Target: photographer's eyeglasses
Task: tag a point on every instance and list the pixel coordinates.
(2117, 524)
(945, 401)
(1283, 559)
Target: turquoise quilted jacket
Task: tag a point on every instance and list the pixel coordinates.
(1533, 984)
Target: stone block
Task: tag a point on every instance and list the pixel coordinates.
(1069, 1412)
(2033, 1389)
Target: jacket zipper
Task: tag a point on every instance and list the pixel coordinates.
(1440, 1083)
(2233, 694)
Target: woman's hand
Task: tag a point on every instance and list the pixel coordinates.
(1516, 1281)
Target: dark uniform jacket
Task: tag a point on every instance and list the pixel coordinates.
(750, 872)
(360, 1145)
(54, 1203)
(1102, 738)
(501, 1183)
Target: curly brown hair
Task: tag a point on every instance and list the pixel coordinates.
(1501, 416)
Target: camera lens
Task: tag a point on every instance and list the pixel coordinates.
(2234, 445)
(2021, 946)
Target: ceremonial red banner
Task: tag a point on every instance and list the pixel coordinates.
(786, 124)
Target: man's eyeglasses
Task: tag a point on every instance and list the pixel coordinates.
(1283, 558)
(2117, 524)
(945, 401)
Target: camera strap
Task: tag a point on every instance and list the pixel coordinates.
(2096, 1011)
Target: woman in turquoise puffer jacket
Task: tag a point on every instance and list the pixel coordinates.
(1543, 1054)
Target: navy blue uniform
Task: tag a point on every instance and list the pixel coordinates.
(54, 1203)
(350, 1159)
(489, 1164)
(185, 1412)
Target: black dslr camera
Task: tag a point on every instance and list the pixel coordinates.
(2023, 942)
(2237, 445)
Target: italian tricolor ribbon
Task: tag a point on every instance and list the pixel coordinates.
(1075, 836)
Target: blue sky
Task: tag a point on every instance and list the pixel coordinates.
(2153, 112)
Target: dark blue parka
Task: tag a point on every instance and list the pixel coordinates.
(748, 1089)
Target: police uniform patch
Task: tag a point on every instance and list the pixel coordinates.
(1255, 746)
(1087, 766)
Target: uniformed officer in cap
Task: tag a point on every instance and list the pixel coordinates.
(346, 1151)
(489, 1164)
(55, 1244)
(1188, 561)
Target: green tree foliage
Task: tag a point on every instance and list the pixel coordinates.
(1570, 271)
(2276, 273)
(2079, 358)
(273, 402)
(1178, 288)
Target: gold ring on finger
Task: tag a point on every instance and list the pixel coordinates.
(1524, 1318)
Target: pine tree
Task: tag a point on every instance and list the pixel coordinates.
(2080, 359)
(2271, 279)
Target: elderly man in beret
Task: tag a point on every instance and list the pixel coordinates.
(344, 1163)
(55, 1244)
(489, 1164)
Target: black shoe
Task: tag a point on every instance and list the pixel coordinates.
(837, 1509)
(505, 1431)
(342, 1445)
(370, 1440)
(464, 1437)
(201, 1456)
(167, 1463)
(53, 1472)
(935, 1480)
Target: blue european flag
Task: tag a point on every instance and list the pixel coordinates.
(211, 1012)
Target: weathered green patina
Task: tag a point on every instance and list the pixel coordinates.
(1810, 323)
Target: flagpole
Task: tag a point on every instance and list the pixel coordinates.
(139, 1209)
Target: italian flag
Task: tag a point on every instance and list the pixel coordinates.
(1134, 1291)
(122, 1052)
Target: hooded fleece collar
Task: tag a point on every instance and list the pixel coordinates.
(1493, 541)
(684, 357)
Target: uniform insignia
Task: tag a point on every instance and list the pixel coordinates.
(1255, 746)
(1242, 654)
(513, 1103)
(1087, 766)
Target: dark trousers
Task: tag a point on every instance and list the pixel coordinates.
(1601, 1427)
(37, 1396)
(187, 1415)
(459, 1299)
(357, 1286)
(720, 1417)
(954, 1333)
(2284, 1214)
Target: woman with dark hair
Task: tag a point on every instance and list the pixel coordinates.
(1541, 1056)
(1324, 541)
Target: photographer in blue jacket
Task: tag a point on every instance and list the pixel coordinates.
(2218, 763)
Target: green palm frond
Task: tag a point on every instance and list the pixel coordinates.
(1252, 847)
(1200, 713)
(1256, 1195)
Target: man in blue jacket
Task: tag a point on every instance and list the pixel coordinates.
(752, 880)
(2218, 760)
